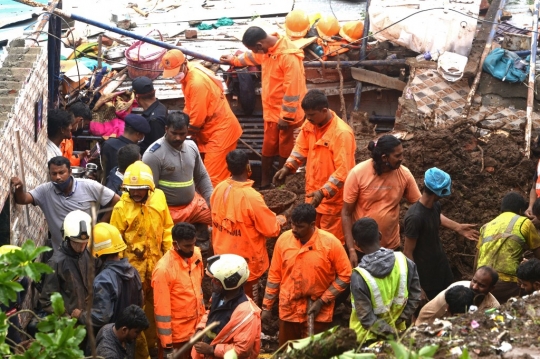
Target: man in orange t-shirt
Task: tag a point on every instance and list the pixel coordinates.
(374, 189)
(241, 221)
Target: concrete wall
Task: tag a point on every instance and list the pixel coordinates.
(23, 81)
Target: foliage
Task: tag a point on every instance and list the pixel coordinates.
(20, 263)
(58, 336)
(402, 352)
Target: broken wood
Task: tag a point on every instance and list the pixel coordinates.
(376, 78)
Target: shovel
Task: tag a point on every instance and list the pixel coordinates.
(310, 320)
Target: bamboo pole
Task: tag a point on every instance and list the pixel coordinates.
(532, 75)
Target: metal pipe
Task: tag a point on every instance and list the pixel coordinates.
(53, 57)
(532, 73)
(331, 64)
(486, 51)
(358, 91)
(44, 22)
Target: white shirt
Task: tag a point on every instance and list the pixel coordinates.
(52, 150)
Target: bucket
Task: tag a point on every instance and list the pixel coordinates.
(144, 59)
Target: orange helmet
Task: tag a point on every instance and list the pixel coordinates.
(327, 26)
(172, 62)
(296, 24)
(352, 30)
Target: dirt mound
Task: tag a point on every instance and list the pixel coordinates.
(513, 328)
(483, 170)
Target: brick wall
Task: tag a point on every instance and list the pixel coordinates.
(23, 81)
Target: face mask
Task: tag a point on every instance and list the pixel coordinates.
(61, 187)
(181, 75)
(181, 252)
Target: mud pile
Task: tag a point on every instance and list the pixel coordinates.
(483, 170)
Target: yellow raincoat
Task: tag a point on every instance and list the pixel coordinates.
(146, 228)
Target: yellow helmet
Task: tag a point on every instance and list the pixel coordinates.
(352, 30)
(327, 26)
(138, 176)
(296, 24)
(107, 240)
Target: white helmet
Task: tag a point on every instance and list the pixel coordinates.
(230, 269)
(77, 226)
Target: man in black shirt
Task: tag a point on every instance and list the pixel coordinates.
(422, 241)
(135, 130)
(117, 340)
(154, 111)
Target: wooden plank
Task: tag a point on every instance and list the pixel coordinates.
(479, 41)
(377, 79)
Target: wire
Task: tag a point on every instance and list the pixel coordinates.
(331, 9)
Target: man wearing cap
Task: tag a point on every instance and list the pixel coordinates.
(136, 128)
(154, 111)
(283, 87)
(212, 124)
(422, 240)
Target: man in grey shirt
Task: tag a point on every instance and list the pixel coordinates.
(117, 340)
(179, 172)
(62, 195)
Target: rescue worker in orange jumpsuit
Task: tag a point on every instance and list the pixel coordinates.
(239, 317)
(283, 86)
(296, 254)
(326, 145)
(177, 284)
(212, 124)
(81, 113)
(241, 221)
(144, 221)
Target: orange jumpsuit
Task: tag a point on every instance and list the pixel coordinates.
(293, 277)
(242, 333)
(241, 222)
(210, 116)
(178, 297)
(329, 153)
(66, 147)
(283, 87)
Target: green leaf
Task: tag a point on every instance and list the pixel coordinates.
(45, 339)
(58, 304)
(428, 351)
(465, 354)
(46, 325)
(399, 350)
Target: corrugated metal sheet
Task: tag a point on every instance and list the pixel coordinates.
(12, 12)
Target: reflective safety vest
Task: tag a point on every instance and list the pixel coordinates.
(388, 297)
(502, 245)
(538, 180)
